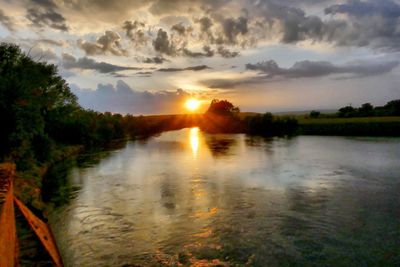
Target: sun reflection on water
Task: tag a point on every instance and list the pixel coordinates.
(194, 140)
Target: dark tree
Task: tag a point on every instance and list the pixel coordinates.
(393, 108)
(222, 107)
(346, 112)
(30, 93)
(366, 110)
(314, 114)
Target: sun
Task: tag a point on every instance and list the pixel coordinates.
(192, 104)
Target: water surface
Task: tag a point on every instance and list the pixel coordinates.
(190, 198)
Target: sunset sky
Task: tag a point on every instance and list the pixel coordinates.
(149, 57)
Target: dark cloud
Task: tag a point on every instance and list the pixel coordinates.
(154, 60)
(304, 69)
(208, 52)
(43, 13)
(163, 45)
(121, 98)
(226, 53)
(136, 33)
(144, 72)
(194, 68)
(385, 8)
(270, 71)
(6, 21)
(293, 23)
(130, 26)
(70, 62)
(109, 43)
(205, 24)
(179, 28)
(370, 23)
(233, 27)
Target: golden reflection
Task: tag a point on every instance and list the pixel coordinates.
(206, 214)
(194, 140)
(205, 233)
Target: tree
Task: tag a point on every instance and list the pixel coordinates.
(366, 110)
(314, 114)
(30, 94)
(222, 107)
(346, 112)
(393, 108)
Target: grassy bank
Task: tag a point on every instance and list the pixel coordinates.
(28, 183)
(362, 126)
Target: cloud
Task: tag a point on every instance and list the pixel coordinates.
(366, 23)
(369, 23)
(269, 71)
(7, 21)
(42, 54)
(121, 98)
(70, 62)
(226, 53)
(232, 28)
(208, 52)
(109, 43)
(50, 42)
(205, 24)
(304, 69)
(43, 13)
(154, 60)
(194, 68)
(163, 45)
(386, 8)
(179, 28)
(111, 12)
(135, 32)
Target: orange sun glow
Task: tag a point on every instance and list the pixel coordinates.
(192, 104)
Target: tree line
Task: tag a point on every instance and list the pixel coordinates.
(39, 115)
(391, 108)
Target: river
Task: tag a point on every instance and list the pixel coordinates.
(191, 198)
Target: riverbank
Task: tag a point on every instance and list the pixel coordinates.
(28, 183)
(361, 126)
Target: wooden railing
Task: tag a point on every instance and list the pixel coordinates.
(8, 234)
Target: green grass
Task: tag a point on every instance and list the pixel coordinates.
(302, 120)
(365, 126)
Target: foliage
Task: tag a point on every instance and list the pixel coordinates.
(222, 107)
(30, 92)
(269, 125)
(314, 114)
(38, 112)
(392, 108)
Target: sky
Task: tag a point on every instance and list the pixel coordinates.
(149, 57)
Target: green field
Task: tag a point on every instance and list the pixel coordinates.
(303, 120)
(362, 126)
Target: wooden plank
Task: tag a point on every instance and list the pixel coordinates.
(7, 231)
(43, 231)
